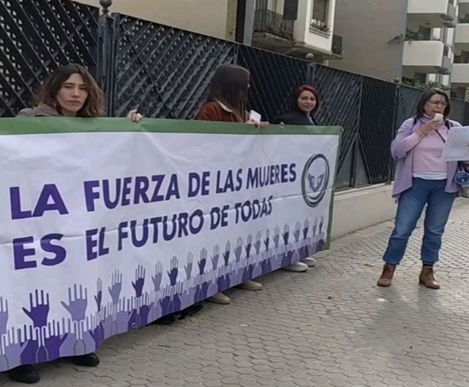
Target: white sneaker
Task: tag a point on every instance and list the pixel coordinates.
(220, 299)
(297, 267)
(311, 262)
(251, 285)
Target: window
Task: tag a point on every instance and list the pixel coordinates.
(320, 13)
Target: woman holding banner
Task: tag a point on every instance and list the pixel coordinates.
(304, 105)
(227, 102)
(70, 91)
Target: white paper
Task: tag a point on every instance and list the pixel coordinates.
(255, 116)
(457, 145)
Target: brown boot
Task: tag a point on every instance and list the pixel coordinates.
(427, 278)
(386, 276)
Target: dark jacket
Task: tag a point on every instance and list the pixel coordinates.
(294, 118)
(41, 110)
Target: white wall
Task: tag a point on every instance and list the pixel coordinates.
(208, 17)
(358, 209)
(311, 37)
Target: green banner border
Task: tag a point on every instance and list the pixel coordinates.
(47, 125)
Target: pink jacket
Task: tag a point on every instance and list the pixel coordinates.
(402, 150)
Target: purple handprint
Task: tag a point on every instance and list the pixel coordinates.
(266, 266)
(257, 245)
(267, 240)
(248, 246)
(145, 311)
(277, 236)
(248, 273)
(215, 257)
(203, 260)
(3, 316)
(77, 303)
(297, 231)
(238, 249)
(223, 281)
(139, 281)
(16, 346)
(156, 279)
(139, 314)
(226, 254)
(315, 226)
(116, 287)
(98, 335)
(99, 294)
(165, 301)
(286, 234)
(176, 301)
(306, 229)
(188, 267)
(201, 292)
(173, 274)
(321, 224)
(54, 341)
(287, 258)
(39, 309)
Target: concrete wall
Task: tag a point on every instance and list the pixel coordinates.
(311, 37)
(209, 17)
(366, 27)
(361, 208)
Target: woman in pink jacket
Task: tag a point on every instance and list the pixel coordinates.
(422, 179)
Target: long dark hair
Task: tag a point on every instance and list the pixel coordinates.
(294, 102)
(230, 86)
(93, 106)
(426, 97)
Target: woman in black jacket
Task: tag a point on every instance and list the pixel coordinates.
(305, 103)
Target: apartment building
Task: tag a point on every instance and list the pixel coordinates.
(217, 18)
(302, 28)
(293, 27)
(460, 74)
(408, 40)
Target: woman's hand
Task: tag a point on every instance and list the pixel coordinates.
(260, 125)
(429, 127)
(135, 116)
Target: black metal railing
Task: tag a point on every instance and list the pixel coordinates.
(165, 72)
(337, 45)
(271, 22)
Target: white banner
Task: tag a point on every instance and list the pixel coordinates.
(107, 226)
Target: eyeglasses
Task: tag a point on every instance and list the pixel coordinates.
(441, 103)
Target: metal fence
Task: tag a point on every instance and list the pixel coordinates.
(165, 72)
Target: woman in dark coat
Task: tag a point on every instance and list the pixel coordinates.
(304, 104)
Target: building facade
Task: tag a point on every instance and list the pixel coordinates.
(302, 28)
(399, 40)
(215, 18)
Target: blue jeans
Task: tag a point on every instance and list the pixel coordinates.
(411, 204)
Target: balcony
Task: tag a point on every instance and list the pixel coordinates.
(461, 38)
(427, 57)
(463, 8)
(271, 30)
(460, 75)
(431, 14)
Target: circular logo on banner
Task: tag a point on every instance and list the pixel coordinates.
(315, 180)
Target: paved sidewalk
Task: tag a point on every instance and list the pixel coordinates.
(329, 327)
